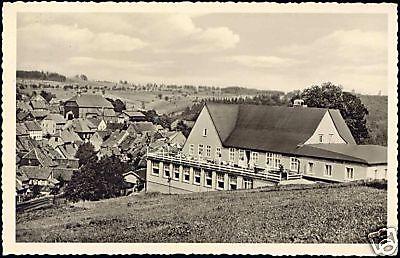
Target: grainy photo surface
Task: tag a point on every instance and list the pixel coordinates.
(174, 125)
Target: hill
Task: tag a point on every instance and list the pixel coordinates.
(377, 119)
(341, 213)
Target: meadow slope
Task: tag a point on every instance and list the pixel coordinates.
(343, 214)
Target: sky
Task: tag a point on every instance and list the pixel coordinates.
(272, 51)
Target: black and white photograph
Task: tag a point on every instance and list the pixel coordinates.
(201, 124)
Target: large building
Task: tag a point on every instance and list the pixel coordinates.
(86, 106)
(248, 146)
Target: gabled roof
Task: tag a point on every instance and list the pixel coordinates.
(141, 127)
(23, 105)
(88, 100)
(34, 172)
(21, 129)
(68, 136)
(37, 104)
(267, 128)
(94, 122)
(23, 115)
(33, 126)
(365, 154)
(82, 125)
(57, 118)
(132, 113)
(341, 126)
(108, 112)
(40, 114)
(44, 159)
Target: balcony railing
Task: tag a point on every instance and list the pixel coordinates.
(256, 172)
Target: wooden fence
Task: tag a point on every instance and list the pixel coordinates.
(40, 203)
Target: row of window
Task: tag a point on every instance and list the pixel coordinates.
(220, 177)
(200, 151)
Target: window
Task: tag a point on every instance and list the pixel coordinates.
(349, 173)
(254, 157)
(208, 151)
(328, 170)
(220, 181)
(167, 172)
(376, 174)
(247, 183)
(321, 138)
(330, 137)
(191, 149)
(294, 164)
(231, 154)
(204, 132)
(273, 160)
(241, 154)
(218, 152)
(208, 177)
(201, 149)
(310, 169)
(197, 175)
(155, 168)
(186, 174)
(176, 172)
(232, 182)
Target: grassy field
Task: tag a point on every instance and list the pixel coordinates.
(344, 214)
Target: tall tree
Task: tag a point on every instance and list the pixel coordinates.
(350, 106)
(97, 180)
(85, 153)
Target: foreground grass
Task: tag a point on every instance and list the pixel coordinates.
(325, 215)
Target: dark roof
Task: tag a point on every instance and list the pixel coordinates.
(88, 100)
(365, 154)
(267, 128)
(33, 126)
(34, 172)
(141, 127)
(132, 113)
(23, 115)
(64, 173)
(341, 126)
(21, 129)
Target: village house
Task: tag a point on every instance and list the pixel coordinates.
(248, 146)
(86, 105)
(99, 124)
(133, 116)
(48, 126)
(58, 119)
(34, 130)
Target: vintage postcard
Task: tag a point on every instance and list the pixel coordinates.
(199, 128)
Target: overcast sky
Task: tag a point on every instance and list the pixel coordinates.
(266, 51)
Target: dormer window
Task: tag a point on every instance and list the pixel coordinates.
(321, 138)
(204, 132)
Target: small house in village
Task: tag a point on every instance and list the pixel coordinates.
(247, 146)
(86, 105)
(34, 130)
(133, 116)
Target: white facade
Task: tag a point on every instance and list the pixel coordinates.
(326, 132)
